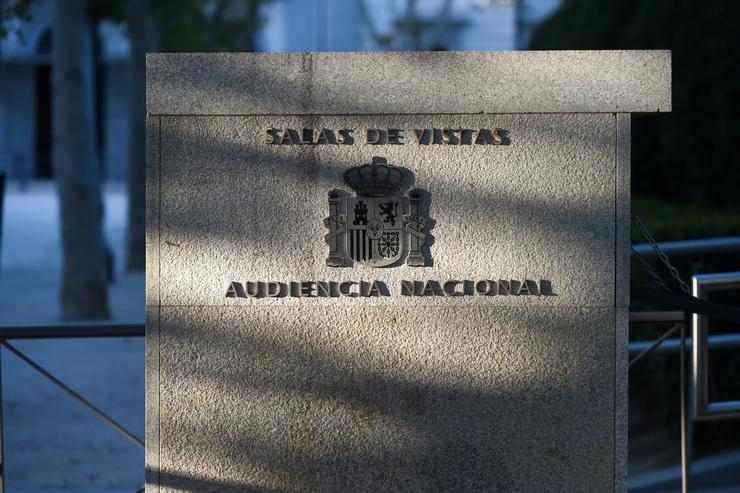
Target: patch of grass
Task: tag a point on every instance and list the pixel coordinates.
(669, 221)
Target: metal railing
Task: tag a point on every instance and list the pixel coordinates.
(699, 345)
(58, 332)
(652, 346)
(701, 408)
(703, 246)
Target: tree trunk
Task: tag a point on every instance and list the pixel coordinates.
(83, 294)
(139, 33)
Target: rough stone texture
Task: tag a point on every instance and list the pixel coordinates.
(622, 301)
(152, 304)
(621, 393)
(152, 210)
(409, 82)
(399, 399)
(236, 209)
(623, 208)
(151, 459)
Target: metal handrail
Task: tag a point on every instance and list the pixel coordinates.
(72, 331)
(649, 317)
(652, 317)
(701, 407)
(671, 345)
(703, 246)
(64, 331)
(653, 346)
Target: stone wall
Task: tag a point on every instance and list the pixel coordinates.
(509, 392)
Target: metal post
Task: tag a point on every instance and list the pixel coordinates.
(684, 421)
(701, 407)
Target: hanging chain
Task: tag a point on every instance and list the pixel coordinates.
(661, 255)
(649, 269)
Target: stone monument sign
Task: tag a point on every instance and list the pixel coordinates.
(390, 272)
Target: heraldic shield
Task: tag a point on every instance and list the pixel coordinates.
(375, 233)
(380, 225)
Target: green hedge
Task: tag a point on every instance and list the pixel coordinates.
(669, 220)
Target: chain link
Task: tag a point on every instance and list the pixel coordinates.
(649, 269)
(661, 255)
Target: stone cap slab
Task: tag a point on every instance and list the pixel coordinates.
(409, 83)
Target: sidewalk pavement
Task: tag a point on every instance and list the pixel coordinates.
(52, 443)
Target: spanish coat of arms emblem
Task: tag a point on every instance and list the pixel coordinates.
(380, 224)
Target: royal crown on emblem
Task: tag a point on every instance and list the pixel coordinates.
(378, 179)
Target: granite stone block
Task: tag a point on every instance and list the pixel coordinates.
(543, 206)
(408, 82)
(152, 210)
(621, 394)
(151, 459)
(338, 399)
(623, 209)
(391, 393)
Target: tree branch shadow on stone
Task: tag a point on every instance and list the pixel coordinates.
(321, 406)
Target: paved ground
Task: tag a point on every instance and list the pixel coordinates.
(52, 444)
